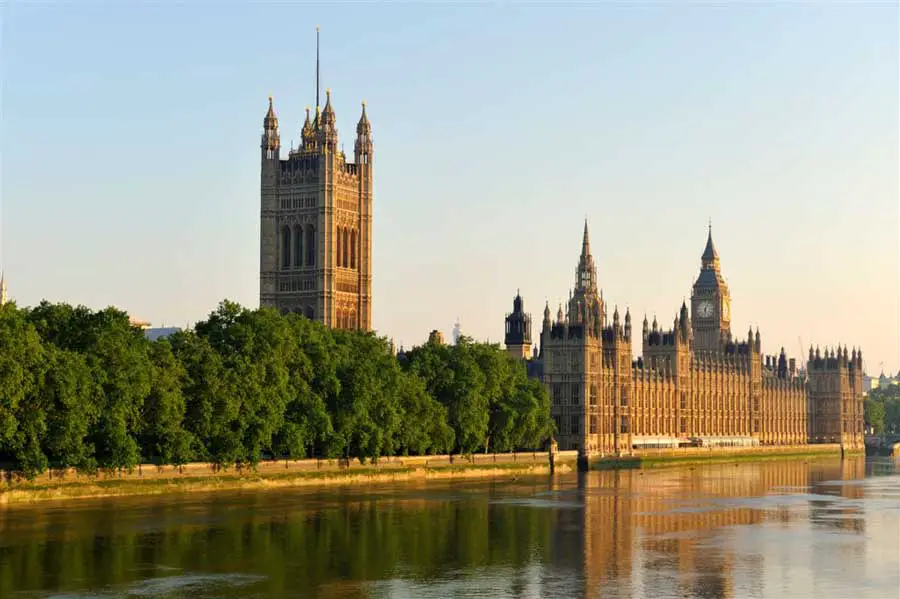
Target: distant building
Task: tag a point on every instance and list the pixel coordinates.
(152, 334)
(316, 221)
(3, 297)
(694, 383)
(457, 332)
(137, 323)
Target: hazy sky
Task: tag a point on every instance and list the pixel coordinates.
(130, 147)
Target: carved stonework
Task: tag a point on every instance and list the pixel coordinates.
(325, 201)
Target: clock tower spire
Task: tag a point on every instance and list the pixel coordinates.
(710, 301)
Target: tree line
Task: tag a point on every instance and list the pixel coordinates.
(882, 410)
(85, 389)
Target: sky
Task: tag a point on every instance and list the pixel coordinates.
(130, 156)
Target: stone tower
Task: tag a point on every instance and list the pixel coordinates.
(316, 221)
(518, 330)
(3, 298)
(710, 303)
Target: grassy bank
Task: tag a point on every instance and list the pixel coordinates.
(234, 481)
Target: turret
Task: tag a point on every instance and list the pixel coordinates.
(308, 134)
(363, 149)
(518, 330)
(645, 332)
(628, 324)
(546, 324)
(327, 133)
(684, 320)
(270, 143)
(4, 299)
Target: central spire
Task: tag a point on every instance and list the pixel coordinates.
(586, 241)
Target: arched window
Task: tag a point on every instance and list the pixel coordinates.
(338, 249)
(298, 246)
(310, 245)
(354, 247)
(285, 247)
(347, 248)
(352, 323)
(310, 313)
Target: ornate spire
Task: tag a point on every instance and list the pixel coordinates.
(327, 130)
(3, 297)
(363, 146)
(271, 119)
(271, 142)
(585, 241)
(710, 258)
(586, 273)
(308, 133)
(363, 126)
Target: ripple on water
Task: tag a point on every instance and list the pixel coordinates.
(184, 585)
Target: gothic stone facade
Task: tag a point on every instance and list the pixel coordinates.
(316, 222)
(693, 384)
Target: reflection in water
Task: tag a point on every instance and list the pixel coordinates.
(769, 529)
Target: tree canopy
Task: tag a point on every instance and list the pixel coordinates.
(882, 409)
(86, 389)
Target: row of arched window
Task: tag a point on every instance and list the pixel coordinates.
(347, 244)
(298, 247)
(294, 252)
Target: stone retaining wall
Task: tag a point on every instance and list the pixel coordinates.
(275, 467)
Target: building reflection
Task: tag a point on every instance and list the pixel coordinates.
(675, 529)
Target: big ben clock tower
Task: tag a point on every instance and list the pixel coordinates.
(710, 302)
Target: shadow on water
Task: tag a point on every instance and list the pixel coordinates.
(767, 529)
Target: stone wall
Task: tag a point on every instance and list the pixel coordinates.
(275, 467)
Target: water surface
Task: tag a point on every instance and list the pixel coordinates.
(769, 529)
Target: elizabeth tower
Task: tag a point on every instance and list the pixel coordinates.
(316, 221)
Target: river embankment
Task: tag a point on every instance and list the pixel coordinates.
(200, 477)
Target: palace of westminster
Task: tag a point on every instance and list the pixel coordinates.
(695, 383)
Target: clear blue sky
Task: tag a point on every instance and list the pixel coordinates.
(130, 140)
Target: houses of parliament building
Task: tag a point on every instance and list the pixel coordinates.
(694, 384)
(316, 220)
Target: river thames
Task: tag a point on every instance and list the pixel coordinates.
(773, 529)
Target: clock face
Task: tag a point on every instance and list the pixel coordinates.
(705, 309)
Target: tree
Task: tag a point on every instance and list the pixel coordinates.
(874, 414)
(163, 437)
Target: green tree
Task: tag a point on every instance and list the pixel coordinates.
(22, 363)
(312, 378)
(212, 410)
(70, 396)
(163, 437)
(874, 414)
(252, 345)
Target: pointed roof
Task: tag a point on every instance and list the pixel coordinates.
(363, 125)
(270, 115)
(710, 255)
(586, 241)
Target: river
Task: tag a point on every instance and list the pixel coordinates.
(773, 529)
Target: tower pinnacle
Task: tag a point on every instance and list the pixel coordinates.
(586, 241)
(3, 298)
(710, 257)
